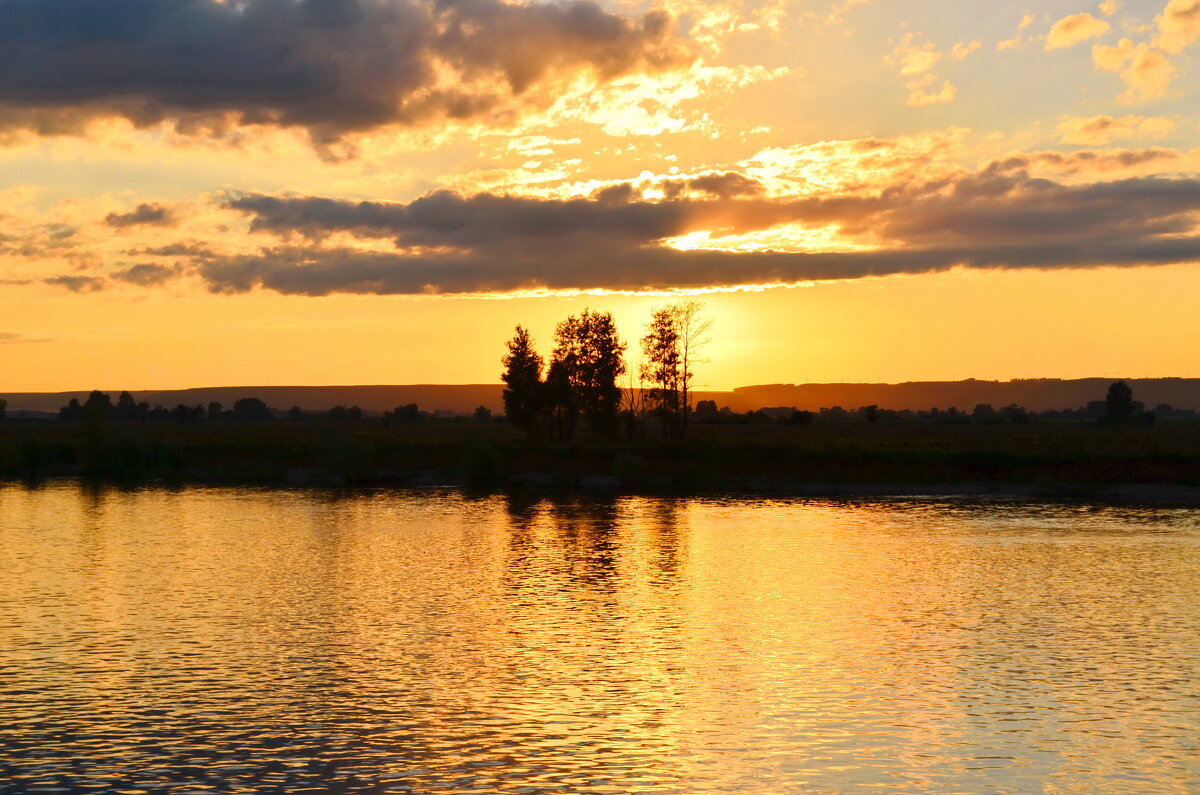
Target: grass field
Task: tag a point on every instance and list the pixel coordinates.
(714, 458)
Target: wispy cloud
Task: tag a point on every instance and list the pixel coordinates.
(13, 338)
(1100, 130)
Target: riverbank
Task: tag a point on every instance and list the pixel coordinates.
(1159, 462)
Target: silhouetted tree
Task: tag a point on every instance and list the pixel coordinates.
(98, 408)
(3, 409)
(558, 401)
(1014, 414)
(251, 409)
(405, 414)
(483, 414)
(295, 414)
(662, 367)
(522, 378)
(588, 354)
(984, 413)
(1119, 406)
(693, 335)
(673, 340)
(214, 410)
(72, 411)
(127, 408)
(706, 411)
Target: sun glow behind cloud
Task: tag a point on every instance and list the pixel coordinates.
(722, 148)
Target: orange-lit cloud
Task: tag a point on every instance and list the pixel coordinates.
(963, 49)
(1069, 31)
(329, 67)
(449, 243)
(1178, 25)
(926, 91)
(1145, 71)
(1100, 130)
(1085, 161)
(912, 56)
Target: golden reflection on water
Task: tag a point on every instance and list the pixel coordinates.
(271, 641)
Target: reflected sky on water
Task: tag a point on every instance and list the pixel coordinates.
(262, 641)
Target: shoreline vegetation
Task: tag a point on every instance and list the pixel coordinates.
(1156, 462)
(584, 420)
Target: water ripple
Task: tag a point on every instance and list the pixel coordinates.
(241, 641)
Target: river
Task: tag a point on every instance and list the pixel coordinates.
(240, 640)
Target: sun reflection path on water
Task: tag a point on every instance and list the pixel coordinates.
(253, 641)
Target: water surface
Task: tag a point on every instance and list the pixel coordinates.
(264, 641)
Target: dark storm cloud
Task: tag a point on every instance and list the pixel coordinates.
(330, 66)
(144, 215)
(447, 243)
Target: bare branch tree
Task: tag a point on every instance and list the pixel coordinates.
(693, 336)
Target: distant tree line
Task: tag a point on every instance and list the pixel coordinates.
(580, 390)
(99, 408)
(1118, 408)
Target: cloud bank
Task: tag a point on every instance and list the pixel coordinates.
(445, 243)
(330, 67)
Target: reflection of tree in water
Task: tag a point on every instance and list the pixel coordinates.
(590, 532)
(581, 541)
(522, 508)
(580, 549)
(666, 532)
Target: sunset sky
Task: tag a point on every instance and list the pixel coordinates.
(204, 192)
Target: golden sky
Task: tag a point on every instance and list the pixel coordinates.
(205, 192)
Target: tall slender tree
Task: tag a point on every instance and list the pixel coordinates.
(674, 337)
(693, 329)
(522, 378)
(660, 367)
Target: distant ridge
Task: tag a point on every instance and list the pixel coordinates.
(1035, 394)
(375, 398)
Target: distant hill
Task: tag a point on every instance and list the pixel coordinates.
(1040, 394)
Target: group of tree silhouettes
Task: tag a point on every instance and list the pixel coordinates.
(581, 383)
